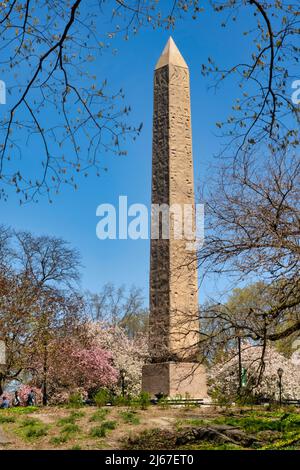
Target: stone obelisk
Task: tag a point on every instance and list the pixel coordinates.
(173, 325)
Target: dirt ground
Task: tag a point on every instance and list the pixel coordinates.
(81, 438)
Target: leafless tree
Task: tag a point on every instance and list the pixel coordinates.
(56, 104)
(38, 299)
(5, 236)
(59, 116)
(264, 110)
(116, 305)
(47, 260)
(252, 232)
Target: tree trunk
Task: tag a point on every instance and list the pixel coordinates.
(1, 384)
(45, 371)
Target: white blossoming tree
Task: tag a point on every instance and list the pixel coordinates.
(261, 378)
(129, 354)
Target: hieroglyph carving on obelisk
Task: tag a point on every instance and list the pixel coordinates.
(174, 326)
(174, 366)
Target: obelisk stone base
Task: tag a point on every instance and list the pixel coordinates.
(187, 379)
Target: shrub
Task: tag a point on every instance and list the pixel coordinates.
(144, 400)
(101, 431)
(58, 440)
(70, 429)
(30, 422)
(110, 425)
(33, 432)
(7, 419)
(75, 400)
(77, 414)
(33, 428)
(99, 415)
(67, 431)
(164, 402)
(74, 416)
(130, 417)
(122, 401)
(102, 397)
(220, 398)
(98, 431)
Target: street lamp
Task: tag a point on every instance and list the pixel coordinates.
(239, 343)
(2, 353)
(280, 374)
(2, 361)
(122, 374)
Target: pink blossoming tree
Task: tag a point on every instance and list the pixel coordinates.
(74, 367)
(129, 354)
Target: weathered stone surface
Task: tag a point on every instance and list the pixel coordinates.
(174, 326)
(171, 55)
(174, 322)
(187, 379)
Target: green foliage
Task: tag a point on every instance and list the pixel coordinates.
(190, 422)
(101, 431)
(74, 416)
(204, 445)
(57, 440)
(22, 410)
(109, 425)
(75, 400)
(164, 403)
(30, 422)
(220, 398)
(70, 429)
(254, 423)
(99, 415)
(7, 419)
(244, 299)
(287, 442)
(34, 432)
(77, 414)
(144, 400)
(130, 417)
(98, 431)
(122, 401)
(246, 398)
(102, 397)
(32, 428)
(277, 430)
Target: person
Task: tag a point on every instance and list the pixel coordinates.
(5, 402)
(16, 400)
(31, 398)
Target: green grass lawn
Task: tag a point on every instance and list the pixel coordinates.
(272, 430)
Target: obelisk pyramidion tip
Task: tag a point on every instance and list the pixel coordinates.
(171, 55)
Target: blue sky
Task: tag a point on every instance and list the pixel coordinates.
(72, 215)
